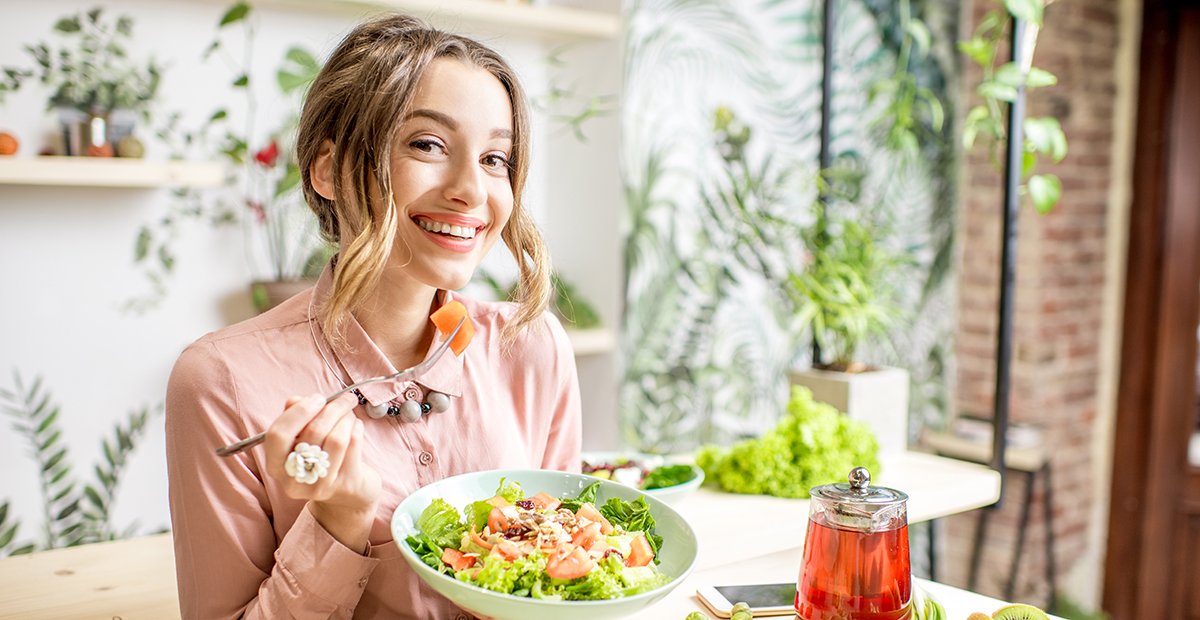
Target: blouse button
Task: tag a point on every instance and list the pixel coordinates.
(425, 458)
(362, 583)
(461, 617)
(412, 392)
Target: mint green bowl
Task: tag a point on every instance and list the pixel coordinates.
(677, 556)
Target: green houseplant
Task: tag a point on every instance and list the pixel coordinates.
(92, 77)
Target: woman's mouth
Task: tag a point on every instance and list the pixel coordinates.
(457, 237)
(442, 228)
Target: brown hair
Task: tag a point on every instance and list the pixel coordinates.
(358, 102)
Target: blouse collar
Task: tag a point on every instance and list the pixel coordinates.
(360, 359)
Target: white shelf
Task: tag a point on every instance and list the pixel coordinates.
(108, 172)
(592, 341)
(492, 16)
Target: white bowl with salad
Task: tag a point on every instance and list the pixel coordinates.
(535, 544)
(662, 477)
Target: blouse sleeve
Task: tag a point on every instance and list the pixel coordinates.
(563, 444)
(228, 561)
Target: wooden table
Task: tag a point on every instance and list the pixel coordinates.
(135, 578)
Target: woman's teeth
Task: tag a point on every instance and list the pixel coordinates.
(447, 229)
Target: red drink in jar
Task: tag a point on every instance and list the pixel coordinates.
(856, 560)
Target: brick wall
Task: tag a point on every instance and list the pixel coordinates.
(1058, 303)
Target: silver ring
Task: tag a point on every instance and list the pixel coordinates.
(307, 463)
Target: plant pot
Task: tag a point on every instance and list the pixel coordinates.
(878, 397)
(268, 294)
(93, 135)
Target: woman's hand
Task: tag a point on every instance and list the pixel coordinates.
(345, 499)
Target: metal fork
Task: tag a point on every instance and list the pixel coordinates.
(403, 375)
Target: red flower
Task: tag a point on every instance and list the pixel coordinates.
(268, 155)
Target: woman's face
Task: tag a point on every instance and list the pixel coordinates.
(449, 169)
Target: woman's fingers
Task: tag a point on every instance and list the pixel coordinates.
(336, 443)
(319, 426)
(281, 436)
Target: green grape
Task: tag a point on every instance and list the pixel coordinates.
(696, 615)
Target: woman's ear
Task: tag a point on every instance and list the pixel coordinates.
(321, 172)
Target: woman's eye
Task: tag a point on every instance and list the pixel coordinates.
(495, 160)
(428, 146)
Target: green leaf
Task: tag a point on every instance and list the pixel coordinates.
(141, 248)
(972, 123)
(1028, 161)
(242, 81)
(304, 59)
(45, 424)
(1009, 74)
(978, 49)
(218, 115)
(27, 549)
(289, 81)
(289, 181)
(920, 35)
(1044, 190)
(54, 460)
(994, 90)
(1038, 78)
(68, 24)
(94, 497)
(7, 536)
(1028, 10)
(1046, 136)
(67, 511)
(236, 13)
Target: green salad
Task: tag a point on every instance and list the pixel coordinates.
(542, 546)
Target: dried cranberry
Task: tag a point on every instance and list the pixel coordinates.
(527, 504)
(515, 532)
(611, 551)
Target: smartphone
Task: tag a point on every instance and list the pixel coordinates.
(764, 599)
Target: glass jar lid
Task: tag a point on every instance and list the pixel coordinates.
(858, 490)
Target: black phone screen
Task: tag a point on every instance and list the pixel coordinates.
(761, 595)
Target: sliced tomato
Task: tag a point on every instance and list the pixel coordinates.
(587, 536)
(640, 552)
(499, 501)
(508, 550)
(456, 560)
(497, 521)
(589, 512)
(479, 540)
(545, 501)
(569, 562)
(446, 319)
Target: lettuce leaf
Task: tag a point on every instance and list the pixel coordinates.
(441, 525)
(510, 491)
(633, 517)
(587, 496)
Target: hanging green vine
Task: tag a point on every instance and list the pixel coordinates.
(1002, 84)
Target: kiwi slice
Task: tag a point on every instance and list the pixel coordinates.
(1019, 612)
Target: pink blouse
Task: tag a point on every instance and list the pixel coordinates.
(244, 548)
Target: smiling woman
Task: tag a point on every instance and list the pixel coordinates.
(413, 150)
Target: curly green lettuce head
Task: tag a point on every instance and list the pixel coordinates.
(812, 444)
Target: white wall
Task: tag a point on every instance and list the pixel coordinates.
(66, 254)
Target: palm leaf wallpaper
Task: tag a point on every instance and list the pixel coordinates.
(719, 162)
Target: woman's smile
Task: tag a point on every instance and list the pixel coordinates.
(453, 232)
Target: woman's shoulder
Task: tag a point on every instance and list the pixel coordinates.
(545, 333)
(248, 338)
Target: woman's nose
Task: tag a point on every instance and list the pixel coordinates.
(466, 184)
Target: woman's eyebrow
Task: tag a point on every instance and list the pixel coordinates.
(452, 124)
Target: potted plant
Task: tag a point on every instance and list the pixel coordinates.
(846, 295)
(287, 239)
(93, 79)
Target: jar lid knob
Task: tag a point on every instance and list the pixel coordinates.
(859, 478)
